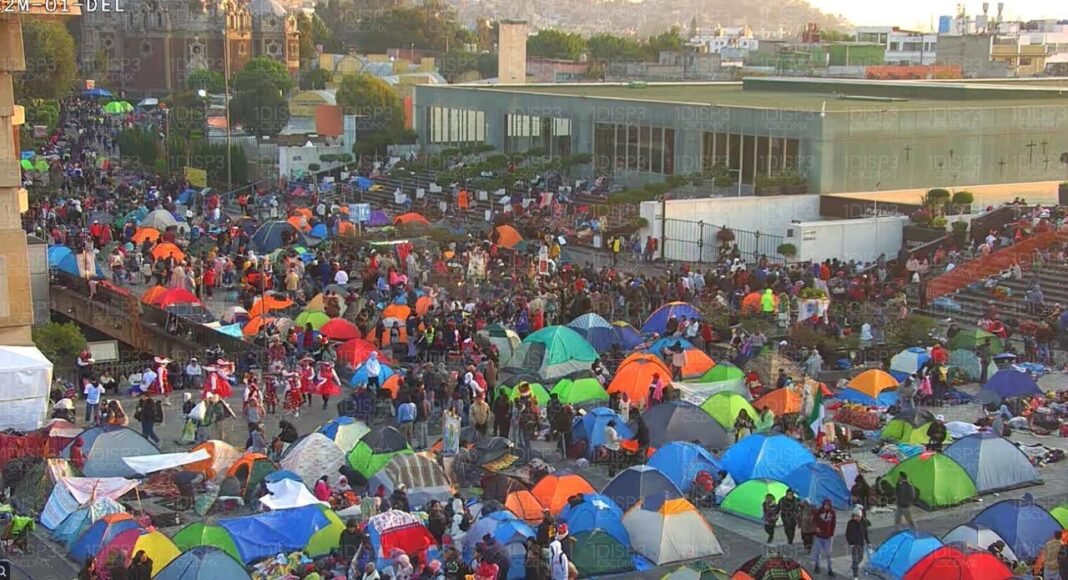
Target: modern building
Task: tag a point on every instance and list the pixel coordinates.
(992, 55)
(903, 47)
(151, 47)
(838, 135)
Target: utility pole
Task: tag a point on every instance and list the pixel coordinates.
(226, 102)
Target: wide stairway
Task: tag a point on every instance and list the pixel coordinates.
(974, 299)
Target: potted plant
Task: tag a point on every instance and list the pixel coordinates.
(787, 250)
(962, 201)
(768, 185)
(936, 200)
(313, 167)
(939, 223)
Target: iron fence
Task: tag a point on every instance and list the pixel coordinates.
(690, 241)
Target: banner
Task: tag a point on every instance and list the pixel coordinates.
(196, 177)
(812, 308)
(450, 437)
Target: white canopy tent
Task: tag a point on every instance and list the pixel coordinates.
(25, 379)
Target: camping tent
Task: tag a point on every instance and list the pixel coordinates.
(70, 529)
(83, 265)
(101, 533)
(1060, 513)
(267, 533)
(422, 477)
(1008, 383)
(554, 352)
(376, 448)
(900, 552)
(908, 427)
(637, 482)
(595, 512)
(681, 461)
(976, 537)
(695, 362)
(723, 377)
(657, 321)
(590, 428)
(250, 470)
(345, 431)
(69, 493)
(579, 391)
(158, 547)
(25, 382)
(104, 447)
(939, 481)
(785, 401)
(683, 421)
(509, 531)
(1024, 525)
(627, 336)
(762, 456)
(817, 482)
(312, 457)
(993, 463)
(206, 534)
(973, 338)
(596, 330)
(873, 382)
(597, 553)
(223, 455)
(908, 362)
(268, 237)
(670, 530)
(968, 362)
(726, 406)
(635, 374)
(949, 562)
(524, 506)
(747, 500)
(204, 563)
(554, 489)
(770, 566)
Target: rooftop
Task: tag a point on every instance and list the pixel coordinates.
(816, 94)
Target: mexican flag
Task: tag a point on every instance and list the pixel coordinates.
(817, 417)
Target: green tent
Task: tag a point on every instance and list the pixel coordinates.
(939, 481)
(40, 166)
(972, 338)
(725, 406)
(747, 500)
(328, 538)
(554, 352)
(540, 394)
(205, 534)
(722, 372)
(902, 431)
(376, 448)
(597, 553)
(26, 164)
(578, 391)
(118, 107)
(316, 319)
(697, 571)
(1060, 513)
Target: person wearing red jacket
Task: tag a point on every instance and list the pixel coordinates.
(825, 520)
(939, 354)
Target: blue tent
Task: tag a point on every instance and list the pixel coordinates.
(596, 512)
(360, 376)
(681, 461)
(268, 237)
(185, 196)
(319, 231)
(683, 421)
(817, 482)
(104, 446)
(885, 399)
(378, 218)
(627, 336)
(590, 428)
(638, 482)
(668, 342)
(364, 183)
(276, 476)
(266, 534)
(1024, 525)
(765, 457)
(100, 534)
(509, 531)
(96, 92)
(596, 330)
(657, 321)
(203, 563)
(65, 260)
(993, 463)
(900, 552)
(1008, 383)
(71, 528)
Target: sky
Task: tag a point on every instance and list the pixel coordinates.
(920, 13)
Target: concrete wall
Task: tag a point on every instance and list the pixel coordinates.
(37, 251)
(767, 215)
(512, 52)
(858, 239)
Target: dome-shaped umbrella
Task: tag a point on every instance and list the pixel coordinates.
(340, 329)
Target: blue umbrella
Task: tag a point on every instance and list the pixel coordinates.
(96, 92)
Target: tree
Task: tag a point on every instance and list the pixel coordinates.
(313, 31)
(50, 61)
(209, 80)
(671, 40)
(139, 145)
(609, 47)
(315, 79)
(260, 70)
(430, 26)
(259, 103)
(836, 36)
(373, 101)
(60, 343)
(551, 43)
(187, 110)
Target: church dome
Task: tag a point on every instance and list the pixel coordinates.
(266, 8)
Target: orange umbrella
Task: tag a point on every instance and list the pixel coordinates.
(525, 506)
(398, 311)
(422, 305)
(635, 377)
(268, 303)
(143, 234)
(153, 295)
(780, 401)
(392, 384)
(167, 250)
(299, 222)
(553, 490)
(256, 323)
(410, 218)
(508, 237)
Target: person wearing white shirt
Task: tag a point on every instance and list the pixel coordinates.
(148, 378)
(341, 278)
(612, 442)
(92, 392)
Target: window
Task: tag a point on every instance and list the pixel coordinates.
(645, 148)
(1025, 61)
(632, 148)
(669, 151)
(656, 151)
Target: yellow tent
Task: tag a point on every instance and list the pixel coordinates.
(872, 382)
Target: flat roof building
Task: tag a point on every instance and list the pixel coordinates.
(838, 135)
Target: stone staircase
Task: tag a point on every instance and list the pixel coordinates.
(974, 299)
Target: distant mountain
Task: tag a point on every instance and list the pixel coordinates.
(785, 18)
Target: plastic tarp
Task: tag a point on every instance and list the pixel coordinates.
(670, 531)
(146, 464)
(638, 482)
(681, 461)
(313, 457)
(993, 463)
(204, 563)
(1024, 525)
(261, 535)
(900, 552)
(25, 381)
(762, 456)
(71, 528)
(286, 494)
(71, 492)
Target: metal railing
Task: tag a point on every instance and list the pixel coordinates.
(691, 241)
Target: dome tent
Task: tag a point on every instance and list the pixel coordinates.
(554, 352)
(312, 457)
(681, 461)
(747, 500)
(596, 330)
(204, 563)
(637, 482)
(993, 462)
(1024, 525)
(1009, 383)
(940, 482)
(105, 446)
(726, 406)
(949, 562)
(770, 566)
(599, 553)
(817, 482)
(908, 427)
(666, 531)
(763, 456)
(590, 428)
(657, 321)
(683, 421)
(595, 512)
(900, 552)
(206, 534)
(976, 537)
(376, 448)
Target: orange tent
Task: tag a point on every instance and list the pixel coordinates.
(751, 303)
(153, 294)
(645, 356)
(167, 250)
(525, 506)
(409, 219)
(222, 456)
(392, 384)
(346, 228)
(780, 401)
(177, 296)
(873, 381)
(269, 303)
(553, 490)
(356, 351)
(635, 377)
(398, 311)
(422, 305)
(143, 234)
(508, 237)
(256, 323)
(299, 222)
(697, 363)
(248, 459)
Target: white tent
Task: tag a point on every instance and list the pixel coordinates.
(287, 493)
(25, 379)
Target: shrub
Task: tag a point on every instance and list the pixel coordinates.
(938, 195)
(59, 342)
(346, 157)
(787, 250)
(328, 157)
(939, 223)
(963, 198)
(313, 167)
(913, 330)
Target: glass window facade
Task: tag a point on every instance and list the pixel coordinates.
(625, 147)
(455, 126)
(751, 154)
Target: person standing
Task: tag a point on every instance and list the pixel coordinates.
(825, 520)
(856, 534)
(789, 510)
(480, 415)
(406, 417)
(1050, 553)
(905, 496)
(93, 392)
(771, 516)
(611, 445)
(422, 419)
(502, 413)
(146, 414)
